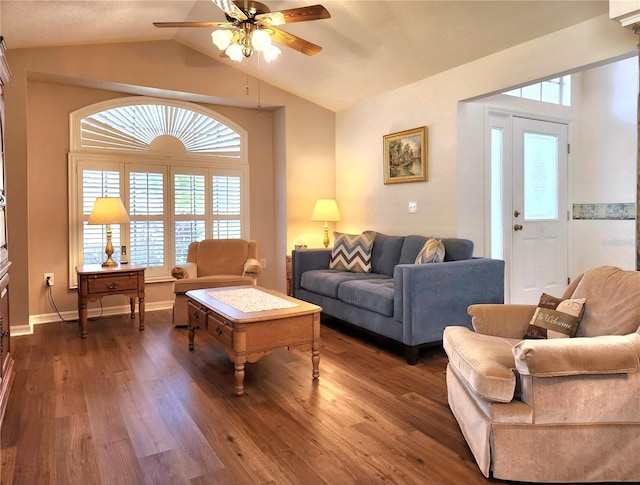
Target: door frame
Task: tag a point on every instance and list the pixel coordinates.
(507, 116)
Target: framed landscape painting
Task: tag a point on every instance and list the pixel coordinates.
(405, 156)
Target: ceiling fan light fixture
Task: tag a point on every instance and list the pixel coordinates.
(234, 52)
(260, 40)
(222, 38)
(270, 53)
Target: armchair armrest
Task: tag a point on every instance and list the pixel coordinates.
(508, 321)
(608, 354)
(252, 268)
(183, 271)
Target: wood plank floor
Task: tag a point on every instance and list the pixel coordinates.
(130, 407)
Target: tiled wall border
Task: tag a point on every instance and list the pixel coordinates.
(599, 212)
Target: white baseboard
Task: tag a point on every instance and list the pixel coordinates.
(91, 313)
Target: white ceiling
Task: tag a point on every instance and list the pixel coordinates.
(369, 46)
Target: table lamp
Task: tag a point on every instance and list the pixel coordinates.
(108, 210)
(326, 210)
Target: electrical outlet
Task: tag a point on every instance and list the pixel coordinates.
(263, 263)
(48, 279)
(413, 207)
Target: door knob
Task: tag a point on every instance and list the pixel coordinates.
(516, 213)
(517, 227)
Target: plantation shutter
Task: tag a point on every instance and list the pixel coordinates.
(98, 183)
(147, 215)
(226, 207)
(189, 211)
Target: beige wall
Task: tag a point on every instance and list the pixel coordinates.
(285, 137)
(453, 201)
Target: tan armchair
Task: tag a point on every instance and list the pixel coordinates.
(557, 410)
(213, 263)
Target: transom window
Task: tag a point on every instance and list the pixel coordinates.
(180, 170)
(556, 91)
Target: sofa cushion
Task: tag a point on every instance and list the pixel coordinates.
(327, 281)
(457, 249)
(371, 294)
(213, 281)
(484, 362)
(352, 252)
(385, 253)
(555, 317)
(410, 248)
(612, 296)
(432, 251)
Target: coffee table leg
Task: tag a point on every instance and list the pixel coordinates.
(315, 346)
(239, 375)
(192, 333)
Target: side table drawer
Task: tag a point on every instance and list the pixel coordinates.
(115, 283)
(221, 331)
(197, 315)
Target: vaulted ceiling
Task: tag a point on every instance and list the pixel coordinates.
(369, 46)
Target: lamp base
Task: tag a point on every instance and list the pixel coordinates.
(109, 263)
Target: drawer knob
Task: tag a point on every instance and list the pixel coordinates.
(113, 285)
(195, 315)
(218, 331)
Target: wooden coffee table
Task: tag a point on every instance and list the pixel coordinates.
(249, 332)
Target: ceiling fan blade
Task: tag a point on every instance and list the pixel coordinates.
(294, 42)
(194, 24)
(301, 14)
(231, 9)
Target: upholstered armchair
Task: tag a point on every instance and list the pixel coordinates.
(213, 263)
(555, 409)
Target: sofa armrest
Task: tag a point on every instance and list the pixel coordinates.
(183, 271)
(608, 354)
(509, 321)
(429, 297)
(306, 260)
(252, 268)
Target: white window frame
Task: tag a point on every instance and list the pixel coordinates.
(169, 163)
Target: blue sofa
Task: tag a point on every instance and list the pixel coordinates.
(406, 302)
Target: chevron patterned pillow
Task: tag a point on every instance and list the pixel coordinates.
(352, 252)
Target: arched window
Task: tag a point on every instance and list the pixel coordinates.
(180, 170)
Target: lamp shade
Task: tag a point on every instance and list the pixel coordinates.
(108, 210)
(326, 210)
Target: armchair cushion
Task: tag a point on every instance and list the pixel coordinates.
(608, 354)
(483, 362)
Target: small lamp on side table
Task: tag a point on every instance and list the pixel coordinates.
(108, 210)
(326, 210)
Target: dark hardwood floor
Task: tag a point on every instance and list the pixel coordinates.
(130, 407)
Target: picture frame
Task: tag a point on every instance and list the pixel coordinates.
(405, 156)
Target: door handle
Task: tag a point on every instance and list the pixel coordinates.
(516, 213)
(518, 227)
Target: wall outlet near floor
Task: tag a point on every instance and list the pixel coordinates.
(263, 263)
(413, 207)
(48, 279)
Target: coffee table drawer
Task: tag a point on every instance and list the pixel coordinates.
(197, 315)
(222, 331)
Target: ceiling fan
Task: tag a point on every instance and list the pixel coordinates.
(251, 26)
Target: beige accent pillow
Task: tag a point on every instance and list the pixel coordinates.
(432, 251)
(556, 317)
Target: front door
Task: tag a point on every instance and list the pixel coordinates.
(538, 223)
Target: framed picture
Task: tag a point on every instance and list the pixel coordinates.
(405, 156)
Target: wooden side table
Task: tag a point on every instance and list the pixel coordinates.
(288, 274)
(94, 282)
